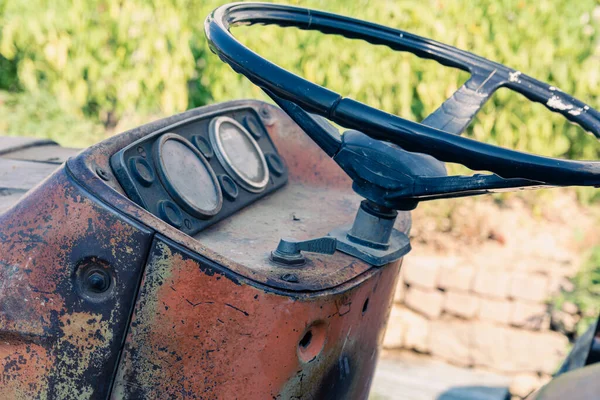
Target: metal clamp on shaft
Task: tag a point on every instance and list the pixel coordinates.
(372, 237)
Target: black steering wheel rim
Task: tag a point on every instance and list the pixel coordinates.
(412, 136)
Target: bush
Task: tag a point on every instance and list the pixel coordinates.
(101, 58)
(106, 58)
(27, 114)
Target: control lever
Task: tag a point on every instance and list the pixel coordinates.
(289, 251)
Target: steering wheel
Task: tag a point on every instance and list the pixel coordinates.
(438, 135)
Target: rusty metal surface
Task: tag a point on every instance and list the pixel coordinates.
(54, 341)
(249, 237)
(213, 319)
(317, 198)
(200, 331)
(310, 171)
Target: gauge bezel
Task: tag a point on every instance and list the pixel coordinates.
(173, 192)
(225, 161)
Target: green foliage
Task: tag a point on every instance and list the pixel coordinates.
(101, 58)
(26, 114)
(106, 58)
(586, 294)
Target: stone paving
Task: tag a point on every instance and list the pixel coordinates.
(487, 303)
(411, 377)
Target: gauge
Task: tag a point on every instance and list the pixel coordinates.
(239, 154)
(187, 176)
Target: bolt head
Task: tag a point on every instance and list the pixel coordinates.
(98, 282)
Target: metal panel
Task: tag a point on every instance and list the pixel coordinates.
(9, 144)
(200, 331)
(23, 175)
(58, 340)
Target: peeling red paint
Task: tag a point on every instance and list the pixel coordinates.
(54, 343)
(199, 333)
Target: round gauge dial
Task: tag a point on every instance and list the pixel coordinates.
(187, 176)
(239, 154)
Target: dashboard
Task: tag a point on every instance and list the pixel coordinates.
(226, 182)
(200, 171)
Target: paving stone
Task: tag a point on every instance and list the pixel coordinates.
(426, 302)
(421, 271)
(459, 278)
(536, 351)
(417, 331)
(491, 283)
(412, 377)
(524, 384)
(490, 343)
(494, 310)
(517, 350)
(570, 308)
(461, 304)
(563, 322)
(559, 283)
(529, 315)
(394, 334)
(400, 292)
(531, 287)
(451, 341)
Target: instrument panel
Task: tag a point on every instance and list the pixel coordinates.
(197, 172)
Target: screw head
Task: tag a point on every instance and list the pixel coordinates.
(265, 115)
(102, 174)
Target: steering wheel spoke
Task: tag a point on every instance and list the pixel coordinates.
(457, 112)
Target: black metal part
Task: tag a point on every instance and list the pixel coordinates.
(320, 130)
(153, 196)
(373, 226)
(94, 279)
(170, 213)
(412, 177)
(252, 127)
(585, 351)
(142, 170)
(229, 187)
(203, 145)
(289, 251)
(98, 281)
(372, 237)
(275, 163)
(438, 135)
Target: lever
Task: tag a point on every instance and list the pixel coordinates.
(288, 251)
